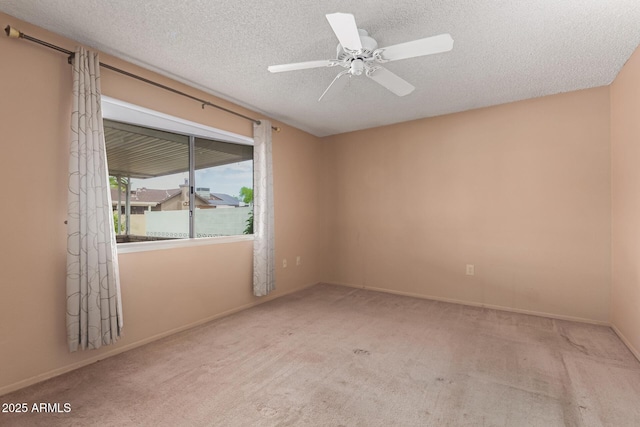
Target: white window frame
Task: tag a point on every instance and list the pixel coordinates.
(121, 111)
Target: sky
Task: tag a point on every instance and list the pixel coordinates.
(227, 179)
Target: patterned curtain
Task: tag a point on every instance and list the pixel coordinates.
(94, 307)
(264, 280)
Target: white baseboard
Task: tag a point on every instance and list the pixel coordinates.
(626, 342)
(475, 304)
(73, 366)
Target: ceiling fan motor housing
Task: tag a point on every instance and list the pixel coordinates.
(369, 45)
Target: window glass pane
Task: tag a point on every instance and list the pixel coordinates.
(154, 166)
(224, 189)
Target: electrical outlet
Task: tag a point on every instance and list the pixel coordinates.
(471, 270)
(298, 260)
(284, 263)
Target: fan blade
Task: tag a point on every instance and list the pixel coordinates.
(395, 84)
(336, 87)
(344, 25)
(421, 47)
(301, 66)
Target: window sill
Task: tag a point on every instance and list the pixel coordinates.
(125, 248)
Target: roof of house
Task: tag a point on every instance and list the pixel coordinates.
(224, 199)
(151, 196)
(147, 195)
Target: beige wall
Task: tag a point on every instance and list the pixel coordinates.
(162, 290)
(174, 204)
(137, 224)
(521, 191)
(625, 163)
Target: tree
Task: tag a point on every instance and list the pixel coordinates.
(249, 229)
(113, 182)
(115, 222)
(246, 195)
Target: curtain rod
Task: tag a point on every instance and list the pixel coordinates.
(15, 34)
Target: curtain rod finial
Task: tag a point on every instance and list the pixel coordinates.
(12, 32)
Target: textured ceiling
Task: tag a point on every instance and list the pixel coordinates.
(505, 50)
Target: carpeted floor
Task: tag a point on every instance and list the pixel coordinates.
(335, 356)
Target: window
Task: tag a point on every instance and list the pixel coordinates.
(171, 185)
(220, 209)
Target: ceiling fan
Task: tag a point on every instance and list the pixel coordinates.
(359, 54)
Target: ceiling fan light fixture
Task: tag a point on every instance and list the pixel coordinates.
(357, 67)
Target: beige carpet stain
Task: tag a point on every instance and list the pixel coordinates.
(334, 356)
